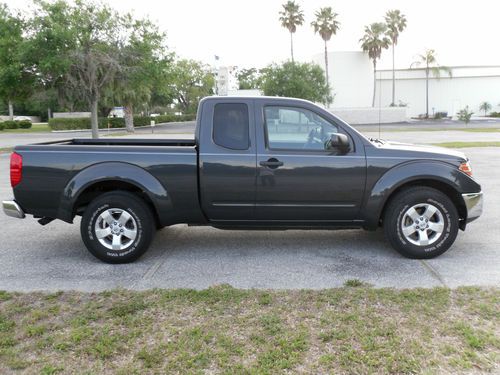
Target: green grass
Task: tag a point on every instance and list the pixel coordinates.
(35, 128)
(6, 149)
(468, 144)
(355, 329)
(417, 129)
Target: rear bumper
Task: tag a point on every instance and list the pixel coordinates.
(474, 205)
(11, 208)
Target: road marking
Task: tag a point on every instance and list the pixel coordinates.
(156, 265)
(434, 273)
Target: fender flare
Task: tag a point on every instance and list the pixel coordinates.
(114, 171)
(405, 173)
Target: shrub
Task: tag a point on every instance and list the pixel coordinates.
(114, 122)
(84, 123)
(9, 124)
(465, 115)
(25, 124)
(494, 114)
(440, 115)
(2, 127)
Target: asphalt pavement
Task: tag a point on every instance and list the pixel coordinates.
(53, 257)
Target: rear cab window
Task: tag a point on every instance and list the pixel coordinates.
(231, 126)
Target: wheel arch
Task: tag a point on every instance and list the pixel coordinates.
(438, 175)
(105, 177)
(441, 186)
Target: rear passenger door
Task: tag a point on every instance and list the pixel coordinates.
(227, 159)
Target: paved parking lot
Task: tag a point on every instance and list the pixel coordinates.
(53, 257)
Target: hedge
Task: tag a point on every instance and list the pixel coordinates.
(9, 124)
(2, 127)
(114, 122)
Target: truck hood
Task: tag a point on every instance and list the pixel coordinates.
(424, 149)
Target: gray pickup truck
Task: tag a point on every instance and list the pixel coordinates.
(254, 163)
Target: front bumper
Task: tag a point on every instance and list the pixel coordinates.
(474, 205)
(11, 208)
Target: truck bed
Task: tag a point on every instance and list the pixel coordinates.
(121, 142)
(53, 168)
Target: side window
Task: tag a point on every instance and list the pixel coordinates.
(231, 126)
(296, 129)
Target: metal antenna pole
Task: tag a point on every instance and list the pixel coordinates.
(379, 103)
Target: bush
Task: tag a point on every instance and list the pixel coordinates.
(2, 127)
(25, 124)
(9, 124)
(84, 123)
(114, 122)
(465, 115)
(440, 115)
(494, 114)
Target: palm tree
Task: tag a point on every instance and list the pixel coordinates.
(396, 23)
(326, 25)
(428, 59)
(373, 42)
(485, 106)
(290, 17)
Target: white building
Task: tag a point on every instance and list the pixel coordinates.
(227, 80)
(351, 78)
(468, 86)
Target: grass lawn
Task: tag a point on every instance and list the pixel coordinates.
(417, 129)
(355, 329)
(42, 127)
(468, 144)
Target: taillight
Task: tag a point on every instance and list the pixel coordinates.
(16, 169)
(466, 168)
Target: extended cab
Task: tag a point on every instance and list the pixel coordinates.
(261, 162)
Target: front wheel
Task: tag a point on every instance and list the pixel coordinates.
(421, 223)
(117, 227)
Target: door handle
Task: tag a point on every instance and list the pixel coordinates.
(272, 163)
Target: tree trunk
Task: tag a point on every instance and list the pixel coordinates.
(427, 92)
(291, 44)
(129, 118)
(393, 79)
(11, 110)
(93, 119)
(326, 65)
(374, 82)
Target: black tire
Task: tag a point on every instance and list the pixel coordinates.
(397, 215)
(141, 222)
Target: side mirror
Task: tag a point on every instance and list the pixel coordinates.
(338, 141)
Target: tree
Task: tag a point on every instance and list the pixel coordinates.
(248, 79)
(485, 106)
(296, 80)
(290, 17)
(142, 63)
(465, 115)
(396, 23)
(190, 82)
(326, 25)
(16, 80)
(428, 59)
(81, 58)
(373, 42)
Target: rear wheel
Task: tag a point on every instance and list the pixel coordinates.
(421, 222)
(117, 227)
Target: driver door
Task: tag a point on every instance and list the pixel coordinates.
(298, 180)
